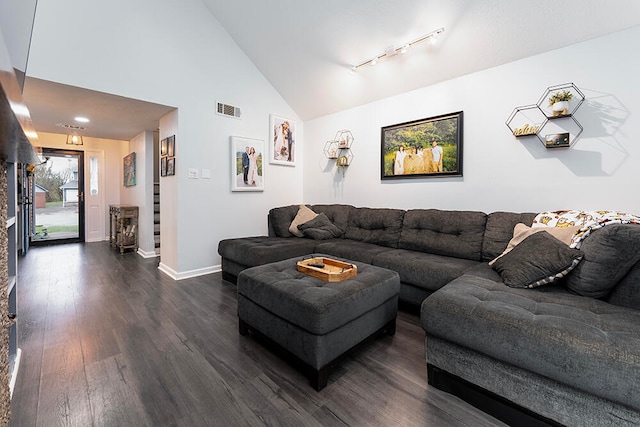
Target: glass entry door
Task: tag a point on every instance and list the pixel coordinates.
(58, 198)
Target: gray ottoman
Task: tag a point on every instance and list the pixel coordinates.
(317, 321)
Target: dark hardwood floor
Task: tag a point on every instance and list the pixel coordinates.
(108, 340)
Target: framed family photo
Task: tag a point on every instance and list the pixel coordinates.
(247, 164)
(430, 147)
(282, 141)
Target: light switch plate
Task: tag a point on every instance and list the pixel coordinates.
(193, 173)
(206, 173)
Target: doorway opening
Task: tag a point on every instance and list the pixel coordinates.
(57, 214)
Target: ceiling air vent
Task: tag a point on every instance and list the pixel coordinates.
(228, 110)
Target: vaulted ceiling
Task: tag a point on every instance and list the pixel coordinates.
(305, 49)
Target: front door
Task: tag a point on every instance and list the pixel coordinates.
(58, 202)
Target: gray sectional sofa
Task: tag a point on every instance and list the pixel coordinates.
(543, 355)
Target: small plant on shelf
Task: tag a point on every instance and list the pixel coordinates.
(559, 102)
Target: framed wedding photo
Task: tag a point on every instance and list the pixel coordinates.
(423, 148)
(247, 164)
(282, 141)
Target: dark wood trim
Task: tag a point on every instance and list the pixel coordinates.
(488, 402)
(228, 277)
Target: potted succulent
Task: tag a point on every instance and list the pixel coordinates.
(559, 102)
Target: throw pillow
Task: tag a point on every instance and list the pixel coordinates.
(522, 231)
(609, 253)
(304, 214)
(540, 259)
(320, 228)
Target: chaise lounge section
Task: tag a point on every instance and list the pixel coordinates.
(564, 353)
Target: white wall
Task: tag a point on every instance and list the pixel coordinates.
(500, 171)
(16, 21)
(141, 194)
(175, 53)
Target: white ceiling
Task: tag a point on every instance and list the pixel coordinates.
(112, 117)
(305, 49)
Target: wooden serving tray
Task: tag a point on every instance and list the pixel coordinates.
(333, 270)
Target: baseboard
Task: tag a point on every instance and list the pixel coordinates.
(188, 274)
(14, 372)
(145, 254)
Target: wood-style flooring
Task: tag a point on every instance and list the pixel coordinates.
(108, 340)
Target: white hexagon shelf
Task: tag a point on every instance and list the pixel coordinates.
(331, 149)
(344, 138)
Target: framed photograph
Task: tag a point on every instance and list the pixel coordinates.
(247, 164)
(129, 168)
(557, 140)
(171, 166)
(282, 141)
(163, 166)
(422, 148)
(163, 147)
(171, 145)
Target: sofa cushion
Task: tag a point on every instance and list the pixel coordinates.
(609, 254)
(627, 292)
(499, 230)
(538, 260)
(304, 214)
(320, 228)
(450, 233)
(423, 270)
(279, 220)
(350, 249)
(378, 226)
(522, 231)
(582, 342)
(252, 251)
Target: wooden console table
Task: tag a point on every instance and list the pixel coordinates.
(123, 227)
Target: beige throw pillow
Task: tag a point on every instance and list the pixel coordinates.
(522, 231)
(304, 214)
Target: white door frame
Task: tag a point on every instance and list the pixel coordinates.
(95, 216)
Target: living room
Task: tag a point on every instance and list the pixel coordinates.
(182, 56)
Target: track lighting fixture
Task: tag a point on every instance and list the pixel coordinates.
(401, 50)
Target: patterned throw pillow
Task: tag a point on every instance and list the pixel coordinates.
(538, 260)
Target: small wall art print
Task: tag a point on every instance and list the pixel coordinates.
(282, 141)
(247, 164)
(171, 145)
(163, 166)
(558, 140)
(423, 148)
(129, 168)
(167, 156)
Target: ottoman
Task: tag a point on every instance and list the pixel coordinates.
(314, 320)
